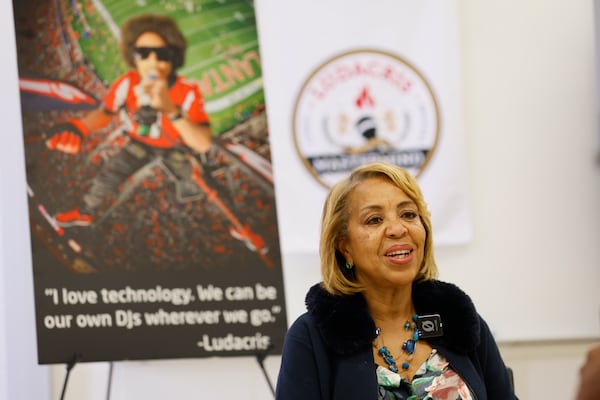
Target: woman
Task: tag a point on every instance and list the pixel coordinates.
(362, 336)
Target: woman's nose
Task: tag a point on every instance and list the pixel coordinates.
(396, 228)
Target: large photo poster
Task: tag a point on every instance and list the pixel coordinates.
(151, 202)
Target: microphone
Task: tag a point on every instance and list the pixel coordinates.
(146, 115)
(430, 326)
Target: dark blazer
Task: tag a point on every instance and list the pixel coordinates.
(327, 351)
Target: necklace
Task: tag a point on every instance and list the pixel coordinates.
(408, 346)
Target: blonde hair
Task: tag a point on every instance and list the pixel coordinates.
(334, 225)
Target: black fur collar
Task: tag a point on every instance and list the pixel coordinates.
(346, 325)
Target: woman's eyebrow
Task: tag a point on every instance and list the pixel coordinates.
(405, 203)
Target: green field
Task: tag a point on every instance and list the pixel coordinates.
(222, 54)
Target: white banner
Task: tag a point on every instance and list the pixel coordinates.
(349, 81)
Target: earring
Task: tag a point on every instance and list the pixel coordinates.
(349, 266)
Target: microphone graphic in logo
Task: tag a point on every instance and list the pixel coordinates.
(146, 115)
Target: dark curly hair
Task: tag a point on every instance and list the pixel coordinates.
(163, 26)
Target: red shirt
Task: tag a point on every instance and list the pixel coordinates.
(183, 93)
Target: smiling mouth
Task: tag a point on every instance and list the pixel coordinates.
(399, 254)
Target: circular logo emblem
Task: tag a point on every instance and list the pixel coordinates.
(364, 106)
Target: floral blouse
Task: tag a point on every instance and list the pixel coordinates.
(434, 380)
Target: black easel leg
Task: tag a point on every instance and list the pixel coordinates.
(70, 366)
(260, 358)
(109, 385)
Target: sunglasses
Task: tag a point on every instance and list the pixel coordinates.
(162, 53)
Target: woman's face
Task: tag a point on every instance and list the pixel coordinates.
(152, 56)
(386, 238)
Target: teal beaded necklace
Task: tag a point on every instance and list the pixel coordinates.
(408, 346)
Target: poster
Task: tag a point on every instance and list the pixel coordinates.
(152, 237)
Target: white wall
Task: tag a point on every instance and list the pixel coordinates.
(531, 121)
(3, 341)
(18, 355)
(529, 78)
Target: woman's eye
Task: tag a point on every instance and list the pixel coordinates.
(409, 215)
(373, 220)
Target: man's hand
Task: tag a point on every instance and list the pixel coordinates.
(158, 90)
(67, 136)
